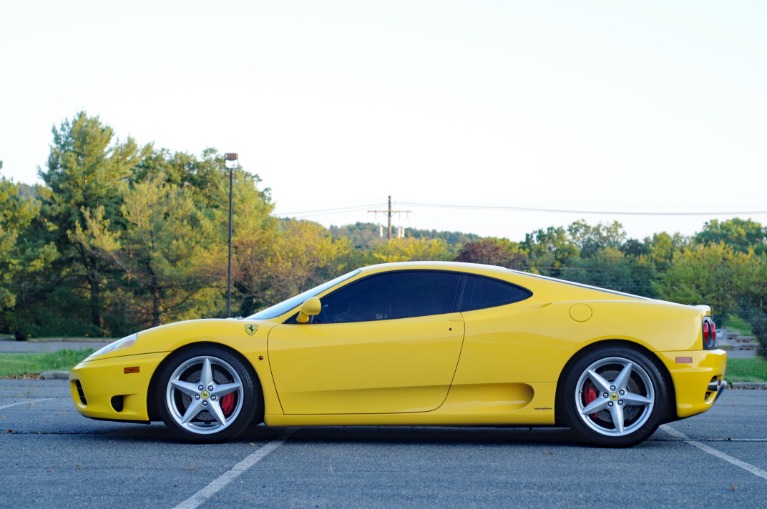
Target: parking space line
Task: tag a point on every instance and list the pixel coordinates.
(227, 477)
(25, 403)
(710, 450)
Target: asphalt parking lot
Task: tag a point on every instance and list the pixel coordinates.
(53, 457)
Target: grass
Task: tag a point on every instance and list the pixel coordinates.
(746, 370)
(29, 365)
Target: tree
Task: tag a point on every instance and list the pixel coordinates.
(366, 236)
(169, 252)
(493, 251)
(22, 256)
(635, 248)
(452, 238)
(663, 248)
(173, 247)
(361, 235)
(297, 256)
(750, 278)
(407, 249)
(590, 239)
(740, 234)
(703, 275)
(610, 268)
(87, 171)
(549, 251)
(15, 216)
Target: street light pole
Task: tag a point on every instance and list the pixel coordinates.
(230, 161)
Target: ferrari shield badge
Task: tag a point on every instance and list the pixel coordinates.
(251, 329)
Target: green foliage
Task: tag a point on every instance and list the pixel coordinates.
(750, 281)
(360, 235)
(703, 274)
(172, 249)
(16, 215)
(283, 261)
(740, 234)
(549, 251)
(663, 247)
(121, 237)
(757, 318)
(369, 235)
(610, 268)
(451, 238)
(737, 325)
(168, 250)
(493, 251)
(591, 239)
(398, 250)
(87, 175)
(24, 257)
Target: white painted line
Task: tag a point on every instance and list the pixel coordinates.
(25, 403)
(221, 482)
(710, 450)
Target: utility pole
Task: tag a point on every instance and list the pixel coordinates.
(389, 212)
(230, 162)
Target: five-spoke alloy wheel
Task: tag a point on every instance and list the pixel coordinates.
(207, 394)
(614, 397)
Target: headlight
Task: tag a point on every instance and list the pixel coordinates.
(125, 342)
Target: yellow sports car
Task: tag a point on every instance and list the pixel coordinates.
(419, 343)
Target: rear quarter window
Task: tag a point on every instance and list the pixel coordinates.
(484, 292)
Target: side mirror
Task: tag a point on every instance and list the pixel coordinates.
(311, 307)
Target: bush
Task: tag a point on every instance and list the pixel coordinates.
(737, 324)
(758, 320)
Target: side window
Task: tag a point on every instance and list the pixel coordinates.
(392, 295)
(484, 292)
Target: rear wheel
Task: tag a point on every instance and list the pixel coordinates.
(206, 394)
(614, 397)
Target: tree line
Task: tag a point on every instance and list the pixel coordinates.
(119, 237)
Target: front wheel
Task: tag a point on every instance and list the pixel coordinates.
(206, 394)
(614, 397)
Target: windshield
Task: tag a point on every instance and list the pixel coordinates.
(286, 305)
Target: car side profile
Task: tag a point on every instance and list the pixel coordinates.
(419, 343)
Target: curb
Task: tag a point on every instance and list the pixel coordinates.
(54, 375)
(748, 386)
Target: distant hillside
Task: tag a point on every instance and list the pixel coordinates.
(365, 235)
(26, 191)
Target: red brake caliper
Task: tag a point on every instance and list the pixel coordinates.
(227, 404)
(589, 395)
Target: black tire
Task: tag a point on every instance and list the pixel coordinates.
(206, 394)
(614, 397)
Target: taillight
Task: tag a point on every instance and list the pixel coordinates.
(709, 334)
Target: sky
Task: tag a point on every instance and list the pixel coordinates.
(490, 117)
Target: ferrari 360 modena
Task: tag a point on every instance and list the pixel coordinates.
(419, 343)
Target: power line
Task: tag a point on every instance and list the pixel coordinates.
(320, 212)
(513, 208)
(574, 211)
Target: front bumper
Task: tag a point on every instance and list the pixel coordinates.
(114, 388)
